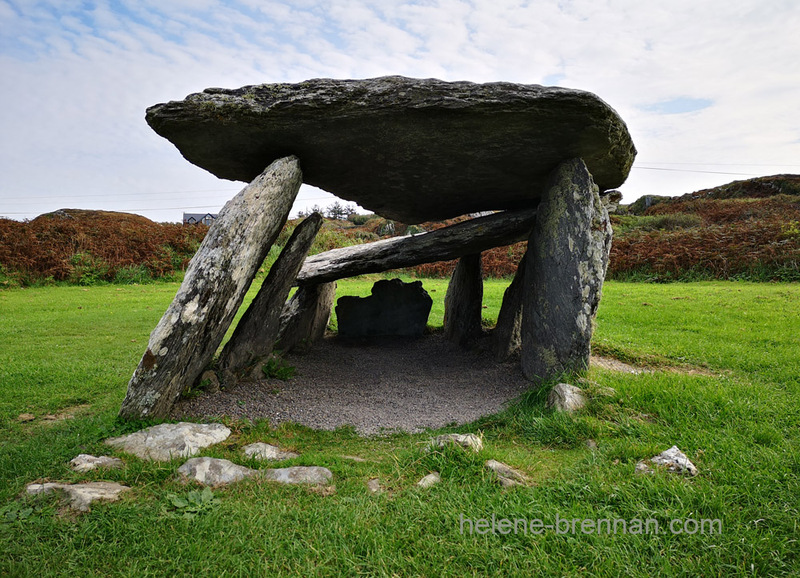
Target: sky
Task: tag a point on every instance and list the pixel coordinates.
(709, 89)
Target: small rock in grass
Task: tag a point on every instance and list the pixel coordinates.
(675, 461)
(211, 381)
(374, 485)
(25, 417)
(353, 458)
(430, 480)
(299, 475)
(80, 496)
(643, 468)
(466, 441)
(507, 475)
(591, 444)
(262, 451)
(171, 440)
(214, 471)
(85, 462)
(565, 397)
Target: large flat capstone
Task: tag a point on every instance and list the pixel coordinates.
(408, 149)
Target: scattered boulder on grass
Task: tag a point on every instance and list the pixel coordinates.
(374, 486)
(170, 440)
(214, 471)
(262, 451)
(673, 459)
(506, 475)
(85, 462)
(80, 496)
(313, 475)
(430, 480)
(467, 441)
(565, 397)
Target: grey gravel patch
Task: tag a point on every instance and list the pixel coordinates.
(378, 385)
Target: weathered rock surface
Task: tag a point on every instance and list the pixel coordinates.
(216, 281)
(262, 451)
(463, 303)
(568, 256)
(675, 461)
(430, 480)
(314, 475)
(257, 330)
(565, 397)
(465, 238)
(409, 149)
(506, 475)
(393, 308)
(305, 317)
(81, 496)
(507, 334)
(85, 462)
(214, 471)
(466, 441)
(374, 486)
(170, 440)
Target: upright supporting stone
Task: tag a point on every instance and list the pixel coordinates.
(257, 330)
(463, 303)
(507, 335)
(219, 275)
(305, 317)
(568, 255)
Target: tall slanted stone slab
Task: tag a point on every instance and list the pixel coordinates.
(219, 275)
(567, 259)
(507, 335)
(463, 302)
(257, 330)
(305, 317)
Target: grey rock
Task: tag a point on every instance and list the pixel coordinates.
(430, 480)
(257, 330)
(507, 334)
(565, 397)
(85, 462)
(81, 496)
(568, 256)
(170, 440)
(374, 486)
(675, 461)
(409, 149)
(214, 471)
(305, 317)
(314, 475)
(211, 381)
(642, 468)
(262, 451)
(466, 441)
(393, 308)
(216, 281)
(463, 302)
(591, 444)
(506, 475)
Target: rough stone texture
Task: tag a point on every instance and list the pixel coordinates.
(465, 238)
(506, 475)
(374, 486)
(262, 451)
(675, 461)
(185, 340)
(257, 330)
(211, 380)
(314, 475)
(214, 471)
(393, 308)
(463, 303)
(565, 397)
(81, 496)
(85, 462)
(568, 248)
(507, 334)
(305, 317)
(430, 480)
(409, 149)
(170, 440)
(466, 441)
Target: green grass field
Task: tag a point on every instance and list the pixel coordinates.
(71, 350)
